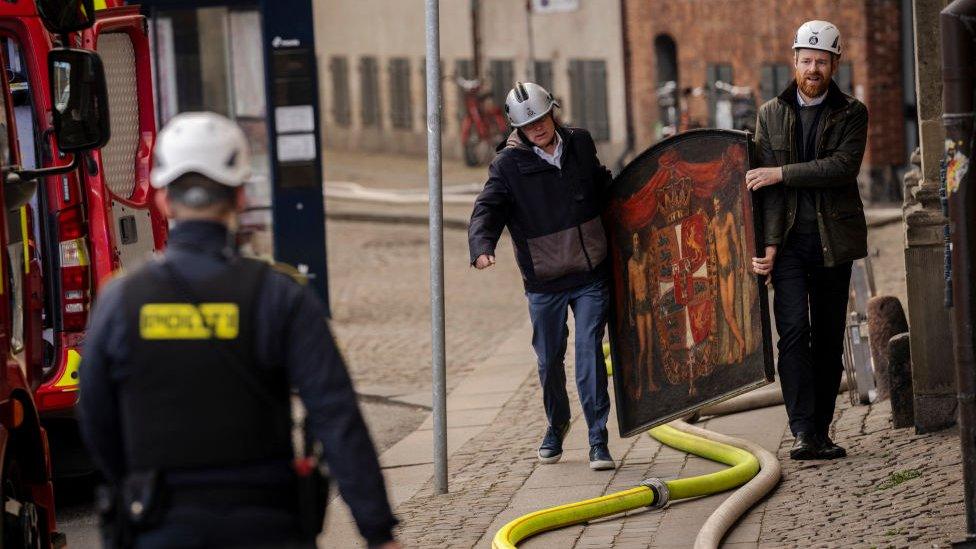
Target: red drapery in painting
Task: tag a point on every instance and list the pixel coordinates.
(639, 209)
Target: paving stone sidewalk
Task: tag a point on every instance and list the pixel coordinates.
(896, 489)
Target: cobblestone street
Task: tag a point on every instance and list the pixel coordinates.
(380, 293)
(381, 304)
(896, 489)
(381, 315)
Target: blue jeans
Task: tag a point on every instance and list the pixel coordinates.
(549, 334)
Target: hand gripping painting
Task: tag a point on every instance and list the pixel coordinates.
(689, 322)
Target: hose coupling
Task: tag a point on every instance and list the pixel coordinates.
(661, 493)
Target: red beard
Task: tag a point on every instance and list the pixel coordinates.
(812, 89)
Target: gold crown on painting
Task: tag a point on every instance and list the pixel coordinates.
(675, 199)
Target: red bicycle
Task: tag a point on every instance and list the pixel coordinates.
(483, 125)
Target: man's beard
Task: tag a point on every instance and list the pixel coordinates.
(812, 89)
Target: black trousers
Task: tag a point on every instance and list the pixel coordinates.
(810, 305)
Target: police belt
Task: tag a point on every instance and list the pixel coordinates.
(272, 496)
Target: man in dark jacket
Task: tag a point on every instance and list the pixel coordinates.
(187, 368)
(547, 186)
(811, 141)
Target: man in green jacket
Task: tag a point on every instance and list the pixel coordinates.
(811, 141)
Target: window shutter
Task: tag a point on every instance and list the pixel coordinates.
(340, 91)
(543, 75)
(369, 90)
(598, 119)
(576, 93)
(400, 104)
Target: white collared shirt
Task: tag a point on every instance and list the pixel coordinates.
(813, 102)
(557, 155)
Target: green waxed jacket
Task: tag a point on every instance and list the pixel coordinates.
(841, 139)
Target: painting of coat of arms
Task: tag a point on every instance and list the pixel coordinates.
(689, 322)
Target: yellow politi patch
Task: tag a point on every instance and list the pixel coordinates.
(187, 321)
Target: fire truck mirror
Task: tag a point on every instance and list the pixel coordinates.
(64, 16)
(79, 99)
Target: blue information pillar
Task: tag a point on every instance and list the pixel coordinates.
(294, 163)
(295, 138)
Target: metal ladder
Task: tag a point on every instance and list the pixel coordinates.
(857, 351)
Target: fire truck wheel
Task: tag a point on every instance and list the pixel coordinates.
(21, 525)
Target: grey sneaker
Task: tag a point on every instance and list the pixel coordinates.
(600, 459)
(552, 444)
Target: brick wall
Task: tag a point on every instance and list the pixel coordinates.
(748, 34)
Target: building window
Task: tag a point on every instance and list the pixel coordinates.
(502, 75)
(543, 75)
(339, 67)
(588, 96)
(463, 69)
(844, 79)
(773, 79)
(369, 87)
(666, 71)
(718, 117)
(400, 106)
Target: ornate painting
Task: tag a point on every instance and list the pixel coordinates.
(689, 321)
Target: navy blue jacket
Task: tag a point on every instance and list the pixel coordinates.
(291, 331)
(552, 214)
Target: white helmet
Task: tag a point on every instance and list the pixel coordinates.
(527, 103)
(817, 35)
(201, 142)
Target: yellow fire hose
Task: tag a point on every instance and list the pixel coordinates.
(652, 493)
(655, 493)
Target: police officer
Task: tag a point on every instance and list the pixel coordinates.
(188, 365)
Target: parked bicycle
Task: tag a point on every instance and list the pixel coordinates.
(483, 125)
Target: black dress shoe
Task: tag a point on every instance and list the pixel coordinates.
(829, 450)
(806, 446)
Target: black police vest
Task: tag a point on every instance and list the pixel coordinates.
(182, 403)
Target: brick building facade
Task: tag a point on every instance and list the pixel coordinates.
(748, 43)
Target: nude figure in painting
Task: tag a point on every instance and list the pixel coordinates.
(727, 250)
(640, 319)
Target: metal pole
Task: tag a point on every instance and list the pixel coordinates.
(957, 98)
(530, 63)
(438, 359)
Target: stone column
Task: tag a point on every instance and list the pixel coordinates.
(933, 375)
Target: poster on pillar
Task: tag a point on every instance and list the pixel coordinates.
(689, 321)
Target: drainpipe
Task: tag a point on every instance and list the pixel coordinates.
(476, 37)
(957, 23)
(628, 106)
(530, 62)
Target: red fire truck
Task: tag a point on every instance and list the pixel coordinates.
(83, 225)
(58, 237)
